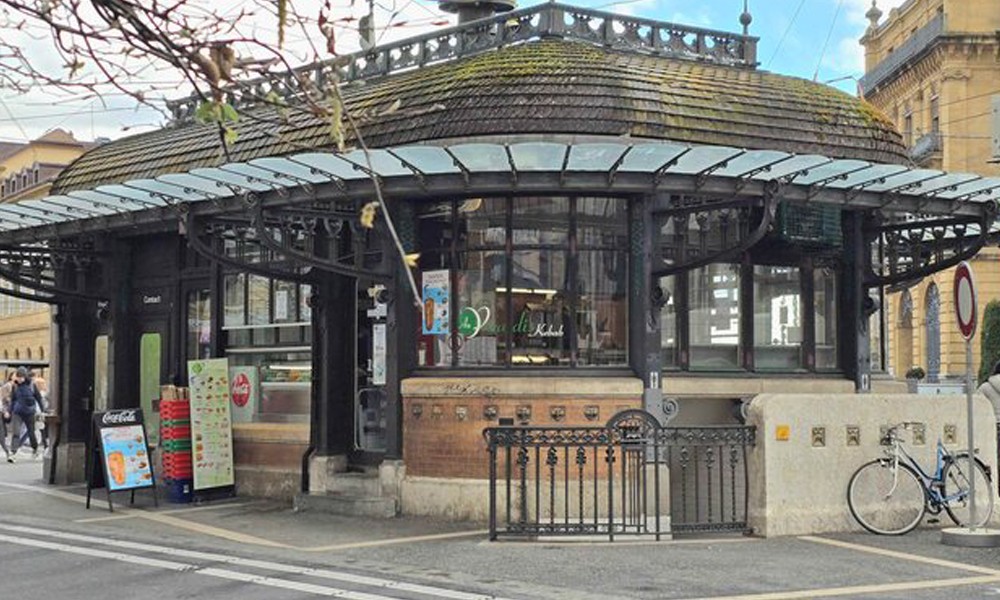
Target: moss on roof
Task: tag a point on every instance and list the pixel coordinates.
(550, 88)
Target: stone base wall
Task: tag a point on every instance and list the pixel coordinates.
(798, 485)
(268, 458)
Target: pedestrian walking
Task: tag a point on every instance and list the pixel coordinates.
(6, 390)
(25, 402)
(43, 389)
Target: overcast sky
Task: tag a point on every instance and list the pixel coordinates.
(793, 34)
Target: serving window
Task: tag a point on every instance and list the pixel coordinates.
(526, 281)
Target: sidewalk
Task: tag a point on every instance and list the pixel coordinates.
(847, 566)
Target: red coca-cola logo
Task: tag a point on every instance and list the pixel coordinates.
(241, 390)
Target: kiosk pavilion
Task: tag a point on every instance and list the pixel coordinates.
(610, 212)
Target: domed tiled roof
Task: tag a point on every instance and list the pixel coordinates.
(547, 88)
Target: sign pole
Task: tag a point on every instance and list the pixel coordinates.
(973, 516)
(965, 310)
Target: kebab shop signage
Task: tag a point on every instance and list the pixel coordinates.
(122, 450)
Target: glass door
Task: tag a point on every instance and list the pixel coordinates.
(370, 403)
(150, 369)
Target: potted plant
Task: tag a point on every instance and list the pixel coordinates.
(913, 376)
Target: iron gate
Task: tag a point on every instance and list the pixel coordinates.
(625, 478)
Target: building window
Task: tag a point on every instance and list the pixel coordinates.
(668, 322)
(534, 281)
(825, 307)
(908, 129)
(935, 115)
(714, 317)
(777, 293)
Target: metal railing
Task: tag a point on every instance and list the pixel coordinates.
(631, 477)
(911, 49)
(549, 19)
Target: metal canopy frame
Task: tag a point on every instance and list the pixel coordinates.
(265, 193)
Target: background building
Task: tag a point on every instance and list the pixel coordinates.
(27, 171)
(932, 66)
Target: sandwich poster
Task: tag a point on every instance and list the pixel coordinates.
(211, 423)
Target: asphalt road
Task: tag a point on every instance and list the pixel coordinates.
(52, 547)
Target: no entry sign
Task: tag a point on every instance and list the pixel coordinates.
(965, 300)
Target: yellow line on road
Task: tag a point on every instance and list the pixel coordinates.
(403, 540)
(861, 589)
(938, 562)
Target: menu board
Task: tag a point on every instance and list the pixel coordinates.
(124, 450)
(211, 423)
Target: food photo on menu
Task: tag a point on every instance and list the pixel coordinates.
(125, 454)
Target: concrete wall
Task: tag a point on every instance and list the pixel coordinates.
(799, 486)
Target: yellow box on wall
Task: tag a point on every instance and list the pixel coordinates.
(782, 433)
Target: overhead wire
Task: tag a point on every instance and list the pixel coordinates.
(829, 34)
(781, 40)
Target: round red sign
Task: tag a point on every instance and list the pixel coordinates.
(241, 390)
(965, 300)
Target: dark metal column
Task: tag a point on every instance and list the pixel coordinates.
(647, 298)
(855, 336)
(334, 338)
(401, 325)
(123, 361)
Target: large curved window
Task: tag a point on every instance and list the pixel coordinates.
(714, 314)
(527, 281)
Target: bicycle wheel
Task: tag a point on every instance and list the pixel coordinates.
(884, 500)
(956, 491)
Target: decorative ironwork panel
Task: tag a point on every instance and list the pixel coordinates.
(613, 480)
(54, 272)
(920, 246)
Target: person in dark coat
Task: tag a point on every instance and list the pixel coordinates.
(25, 401)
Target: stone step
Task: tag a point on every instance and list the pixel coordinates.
(355, 484)
(346, 504)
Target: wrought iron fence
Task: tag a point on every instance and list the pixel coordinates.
(630, 477)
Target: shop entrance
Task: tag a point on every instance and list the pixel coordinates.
(370, 373)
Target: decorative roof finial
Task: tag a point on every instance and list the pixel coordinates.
(873, 15)
(746, 18)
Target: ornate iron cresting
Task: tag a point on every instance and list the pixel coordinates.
(920, 246)
(544, 20)
(52, 272)
(613, 480)
(696, 230)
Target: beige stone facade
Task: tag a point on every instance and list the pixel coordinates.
(932, 67)
(27, 171)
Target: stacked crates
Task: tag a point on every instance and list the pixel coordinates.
(175, 444)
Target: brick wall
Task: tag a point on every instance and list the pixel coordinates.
(444, 418)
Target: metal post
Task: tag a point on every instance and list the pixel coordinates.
(972, 443)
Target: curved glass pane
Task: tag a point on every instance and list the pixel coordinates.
(714, 313)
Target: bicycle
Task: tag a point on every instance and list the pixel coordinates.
(892, 494)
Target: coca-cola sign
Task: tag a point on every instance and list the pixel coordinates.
(241, 390)
(128, 416)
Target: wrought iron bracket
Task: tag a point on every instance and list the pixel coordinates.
(205, 248)
(731, 246)
(37, 270)
(919, 247)
(261, 221)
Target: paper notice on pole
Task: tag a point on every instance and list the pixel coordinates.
(211, 423)
(378, 354)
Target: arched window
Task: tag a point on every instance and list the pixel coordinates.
(41, 353)
(904, 337)
(932, 313)
(28, 351)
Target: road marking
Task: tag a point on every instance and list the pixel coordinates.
(861, 589)
(95, 553)
(401, 540)
(176, 511)
(938, 562)
(252, 563)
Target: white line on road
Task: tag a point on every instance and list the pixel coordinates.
(319, 590)
(255, 564)
(937, 562)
